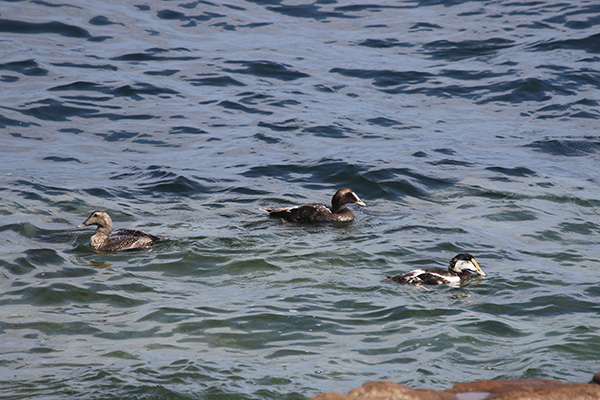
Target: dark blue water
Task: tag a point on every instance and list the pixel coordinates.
(466, 126)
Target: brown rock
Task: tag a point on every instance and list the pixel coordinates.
(514, 389)
(499, 386)
(330, 396)
(527, 389)
(582, 391)
(379, 390)
(394, 391)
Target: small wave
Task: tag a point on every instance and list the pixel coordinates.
(5, 122)
(284, 126)
(154, 54)
(176, 15)
(522, 90)
(385, 78)
(267, 69)
(53, 328)
(27, 68)
(384, 43)
(61, 159)
(102, 67)
(590, 44)
(384, 122)
(189, 130)
(308, 11)
(101, 20)
(156, 181)
(375, 8)
(19, 186)
(455, 51)
(64, 293)
(267, 139)
(424, 26)
(518, 214)
(138, 90)
(135, 91)
(32, 259)
(174, 184)
(218, 81)
(324, 170)
(232, 105)
(573, 147)
(545, 114)
(54, 110)
(164, 72)
(386, 183)
(516, 171)
(54, 27)
(331, 131)
(491, 328)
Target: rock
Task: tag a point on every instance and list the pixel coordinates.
(525, 389)
(515, 389)
(379, 390)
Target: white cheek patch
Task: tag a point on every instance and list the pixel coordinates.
(462, 265)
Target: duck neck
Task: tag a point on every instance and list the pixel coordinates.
(464, 274)
(101, 235)
(337, 206)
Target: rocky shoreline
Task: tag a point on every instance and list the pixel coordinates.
(514, 389)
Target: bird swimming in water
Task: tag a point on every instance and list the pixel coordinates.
(459, 270)
(315, 212)
(123, 239)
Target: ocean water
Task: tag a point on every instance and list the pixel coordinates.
(465, 126)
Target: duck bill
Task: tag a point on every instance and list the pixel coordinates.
(477, 267)
(359, 201)
(83, 224)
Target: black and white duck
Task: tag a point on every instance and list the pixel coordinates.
(459, 270)
(315, 212)
(123, 239)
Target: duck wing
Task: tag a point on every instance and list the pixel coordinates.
(313, 212)
(427, 276)
(128, 239)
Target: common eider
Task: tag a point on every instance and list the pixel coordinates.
(458, 271)
(123, 239)
(315, 212)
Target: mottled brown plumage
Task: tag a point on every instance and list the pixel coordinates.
(124, 239)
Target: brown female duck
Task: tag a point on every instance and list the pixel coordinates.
(123, 239)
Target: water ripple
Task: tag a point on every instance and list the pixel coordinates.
(574, 147)
(27, 68)
(588, 44)
(267, 69)
(54, 27)
(457, 51)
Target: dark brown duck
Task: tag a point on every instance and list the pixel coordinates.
(123, 239)
(315, 212)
